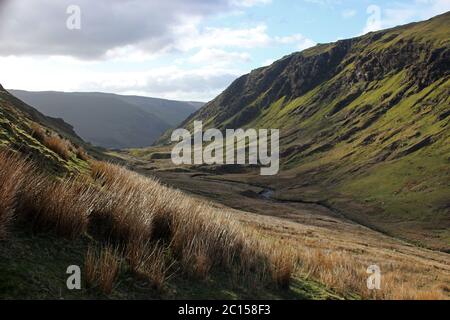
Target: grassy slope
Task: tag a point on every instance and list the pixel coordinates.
(33, 265)
(16, 134)
(374, 129)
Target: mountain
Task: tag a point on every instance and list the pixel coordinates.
(171, 111)
(109, 120)
(364, 126)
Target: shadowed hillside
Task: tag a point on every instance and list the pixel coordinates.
(109, 120)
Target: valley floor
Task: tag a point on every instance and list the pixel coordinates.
(331, 249)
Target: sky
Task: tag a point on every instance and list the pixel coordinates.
(175, 49)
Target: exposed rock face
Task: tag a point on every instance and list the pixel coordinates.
(347, 79)
(299, 73)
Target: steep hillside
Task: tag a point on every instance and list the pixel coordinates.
(108, 120)
(24, 130)
(363, 122)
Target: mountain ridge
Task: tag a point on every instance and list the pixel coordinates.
(365, 118)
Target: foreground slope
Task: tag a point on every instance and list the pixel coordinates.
(109, 120)
(364, 126)
(132, 236)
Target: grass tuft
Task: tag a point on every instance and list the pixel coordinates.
(60, 146)
(13, 173)
(102, 268)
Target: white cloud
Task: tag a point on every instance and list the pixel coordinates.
(57, 74)
(348, 13)
(166, 82)
(181, 58)
(215, 56)
(107, 26)
(230, 46)
(113, 29)
(250, 3)
(226, 37)
(301, 41)
(328, 3)
(374, 21)
(248, 38)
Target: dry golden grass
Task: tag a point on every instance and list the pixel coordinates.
(283, 263)
(160, 230)
(13, 173)
(37, 131)
(346, 274)
(55, 205)
(326, 247)
(200, 238)
(81, 154)
(58, 145)
(338, 255)
(149, 261)
(90, 267)
(101, 268)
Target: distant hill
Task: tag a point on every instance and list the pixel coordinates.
(366, 118)
(109, 120)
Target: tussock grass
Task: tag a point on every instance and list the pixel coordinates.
(81, 154)
(200, 239)
(37, 131)
(13, 173)
(102, 268)
(157, 231)
(150, 262)
(340, 264)
(59, 145)
(62, 206)
(90, 266)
